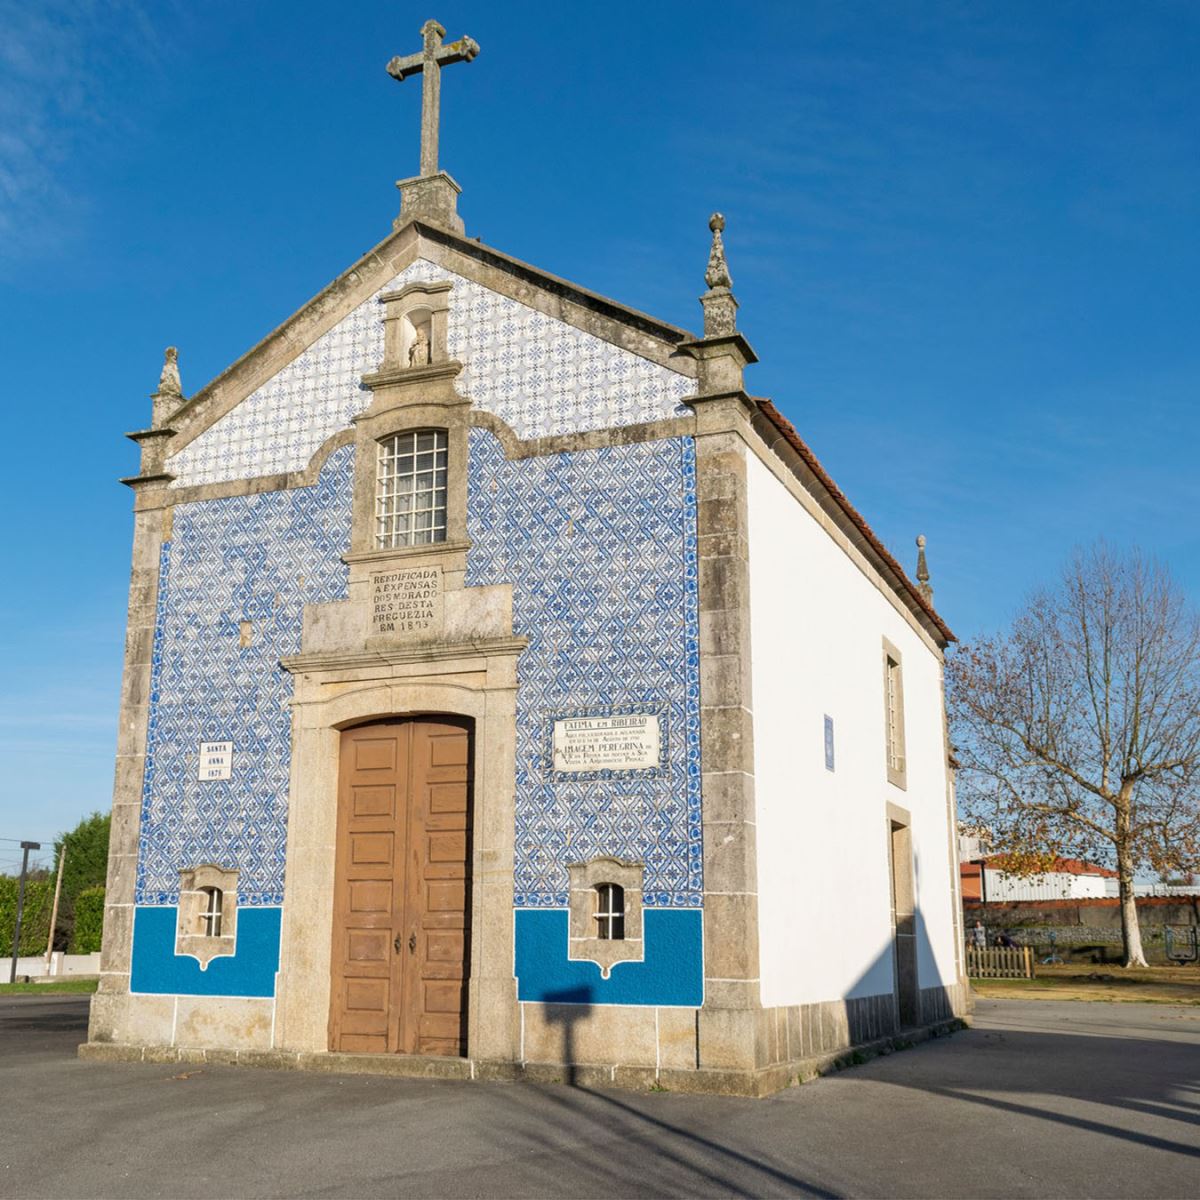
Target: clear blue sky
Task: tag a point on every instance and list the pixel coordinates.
(963, 237)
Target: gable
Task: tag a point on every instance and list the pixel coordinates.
(540, 374)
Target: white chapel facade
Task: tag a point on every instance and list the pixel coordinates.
(506, 688)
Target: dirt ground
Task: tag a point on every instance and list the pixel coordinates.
(1083, 981)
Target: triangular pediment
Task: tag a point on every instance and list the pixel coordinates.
(542, 354)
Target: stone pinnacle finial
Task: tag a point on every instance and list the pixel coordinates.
(169, 383)
(717, 274)
(168, 396)
(720, 307)
(923, 571)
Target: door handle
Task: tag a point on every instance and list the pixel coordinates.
(412, 943)
(396, 944)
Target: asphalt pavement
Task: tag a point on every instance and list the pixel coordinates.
(1041, 1098)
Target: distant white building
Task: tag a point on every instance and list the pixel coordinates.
(985, 880)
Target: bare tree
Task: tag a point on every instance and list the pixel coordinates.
(1078, 732)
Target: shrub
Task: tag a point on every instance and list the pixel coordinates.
(35, 918)
(89, 921)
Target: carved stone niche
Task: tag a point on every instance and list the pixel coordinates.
(195, 886)
(414, 325)
(583, 940)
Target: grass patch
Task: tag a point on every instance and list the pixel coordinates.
(1079, 981)
(64, 987)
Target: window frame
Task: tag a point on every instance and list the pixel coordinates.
(894, 749)
(590, 912)
(212, 911)
(430, 500)
(195, 934)
(609, 913)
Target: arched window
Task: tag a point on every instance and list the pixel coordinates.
(410, 497)
(210, 914)
(610, 911)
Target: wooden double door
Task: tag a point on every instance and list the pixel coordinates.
(402, 894)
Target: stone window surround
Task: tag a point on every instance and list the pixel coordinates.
(583, 941)
(406, 400)
(193, 901)
(893, 676)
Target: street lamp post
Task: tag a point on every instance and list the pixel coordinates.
(26, 847)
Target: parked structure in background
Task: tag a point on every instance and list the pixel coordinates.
(986, 880)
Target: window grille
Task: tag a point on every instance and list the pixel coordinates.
(410, 504)
(210, 917)
(610, 911)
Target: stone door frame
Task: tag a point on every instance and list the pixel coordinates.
(333, 693)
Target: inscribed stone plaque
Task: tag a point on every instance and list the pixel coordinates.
(216, 760)
(627, 742)
(406, 600)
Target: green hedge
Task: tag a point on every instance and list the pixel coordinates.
(35, 919)
(89, 921)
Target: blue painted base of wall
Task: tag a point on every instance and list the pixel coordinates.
(248, 972)
(672, 973)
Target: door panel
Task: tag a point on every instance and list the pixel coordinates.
(401, 944)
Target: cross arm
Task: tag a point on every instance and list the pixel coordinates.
(401, 67)
(463, 50)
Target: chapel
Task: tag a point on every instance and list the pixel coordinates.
(507, 691)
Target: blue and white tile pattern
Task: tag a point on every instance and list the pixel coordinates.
(247, 558)
(600, 547)
(540, 375)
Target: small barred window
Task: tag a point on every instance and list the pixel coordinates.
(610, 911)
(210, 916)
(410, 505)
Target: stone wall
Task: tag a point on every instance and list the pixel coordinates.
(1084, 929)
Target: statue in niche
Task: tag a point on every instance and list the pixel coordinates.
(169, 383)
(419, 352)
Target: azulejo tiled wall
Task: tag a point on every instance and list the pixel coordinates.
(600, 547)
(246, 558)
(539, 374)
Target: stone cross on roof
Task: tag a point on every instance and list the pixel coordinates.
(428, 64)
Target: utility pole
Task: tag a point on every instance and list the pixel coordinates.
(26, 847)
(62, 858)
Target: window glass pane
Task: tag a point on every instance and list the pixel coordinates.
(410, 506)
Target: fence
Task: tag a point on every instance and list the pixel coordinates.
(1000, 962)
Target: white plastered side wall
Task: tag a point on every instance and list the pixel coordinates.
(817, 628)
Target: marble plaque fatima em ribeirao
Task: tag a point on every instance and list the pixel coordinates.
(626, 742)
(406, 600)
